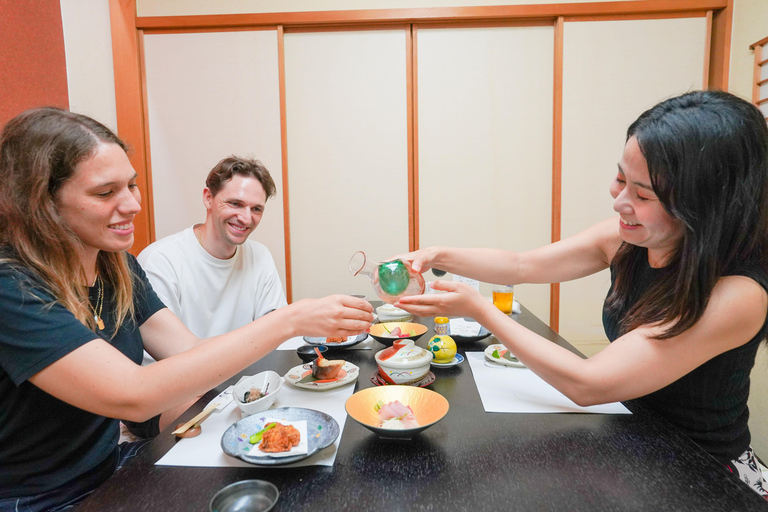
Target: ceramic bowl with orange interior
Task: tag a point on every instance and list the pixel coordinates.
(403, 363)
(409, 330)
(428, 408)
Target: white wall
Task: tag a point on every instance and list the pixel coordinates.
(750, 24)
(88, 48)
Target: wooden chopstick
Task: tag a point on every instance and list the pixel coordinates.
(197, 419)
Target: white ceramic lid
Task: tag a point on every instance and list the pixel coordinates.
(403, 354)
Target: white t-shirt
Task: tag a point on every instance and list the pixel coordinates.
(209, 295)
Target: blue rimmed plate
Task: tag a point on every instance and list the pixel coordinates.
(457, 359)
(322, 431)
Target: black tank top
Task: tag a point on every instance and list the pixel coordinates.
(709, 404)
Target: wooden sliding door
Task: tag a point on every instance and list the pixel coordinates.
(485, 140)
(613, 70)
(211, 95)
(347, 140)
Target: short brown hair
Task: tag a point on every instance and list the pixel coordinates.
(232, 165)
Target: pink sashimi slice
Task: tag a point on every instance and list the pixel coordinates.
(397, 410)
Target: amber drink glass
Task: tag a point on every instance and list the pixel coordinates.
(503, 296)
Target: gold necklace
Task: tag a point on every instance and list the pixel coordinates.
(199, 236)
(99, 304)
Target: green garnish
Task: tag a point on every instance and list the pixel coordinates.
(495, 354)
(255, 438)
(378, 405)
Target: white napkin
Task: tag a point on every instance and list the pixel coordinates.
(301, 449)
(511, 389)
(461, 327)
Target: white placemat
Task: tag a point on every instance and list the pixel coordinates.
(205, 449)
(510, 389)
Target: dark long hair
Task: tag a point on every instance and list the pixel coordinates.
(39, 151)
(707, 155)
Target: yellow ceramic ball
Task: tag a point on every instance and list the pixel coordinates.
(443, 348)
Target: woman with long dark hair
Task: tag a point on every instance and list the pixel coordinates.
(688, 255)
(76, 312)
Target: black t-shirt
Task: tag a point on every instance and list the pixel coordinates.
(44, 442)
(709, 404)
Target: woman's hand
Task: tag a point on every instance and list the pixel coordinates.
(335, 315)
(460, 299)
(421, 260)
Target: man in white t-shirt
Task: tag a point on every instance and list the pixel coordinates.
(210, 275)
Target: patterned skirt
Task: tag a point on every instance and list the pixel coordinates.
(748, 469)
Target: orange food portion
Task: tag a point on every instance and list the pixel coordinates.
(281, 438)
(335, 339)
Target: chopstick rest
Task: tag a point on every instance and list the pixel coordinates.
(217, 404)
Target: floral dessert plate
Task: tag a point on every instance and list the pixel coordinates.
(500, 354)
(301, 376)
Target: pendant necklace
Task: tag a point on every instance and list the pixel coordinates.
(99, 304)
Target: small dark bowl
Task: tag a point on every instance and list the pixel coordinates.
(307, 352)
(245, 496)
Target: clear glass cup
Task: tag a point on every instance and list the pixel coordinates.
(390, 279)
(503, 297)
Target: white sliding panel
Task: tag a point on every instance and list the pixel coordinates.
(347, 141)
(485, 141)
(613, 71)
(211, 95)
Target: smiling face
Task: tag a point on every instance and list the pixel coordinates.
(644, 221)
(99, 202)
(233, 213)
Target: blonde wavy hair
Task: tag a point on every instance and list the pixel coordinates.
(39, 151)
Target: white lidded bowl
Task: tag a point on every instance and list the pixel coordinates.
(390, 313)
(407, 364)
(259, 381)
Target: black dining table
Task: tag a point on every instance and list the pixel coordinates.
(468, 461)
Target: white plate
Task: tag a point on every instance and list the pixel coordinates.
(507, 359)
(458, 359)
(301, 376)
